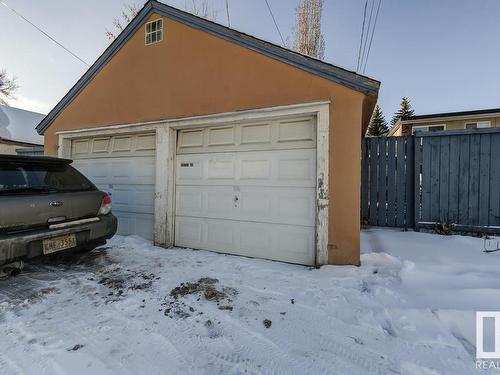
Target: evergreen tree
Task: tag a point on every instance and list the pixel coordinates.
(378, 125)
(405, 111)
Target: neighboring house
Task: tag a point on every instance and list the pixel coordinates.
(212, 139)
(17, 131)
(483, 118)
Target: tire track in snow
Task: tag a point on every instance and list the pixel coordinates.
(9, 367)
(264, 355)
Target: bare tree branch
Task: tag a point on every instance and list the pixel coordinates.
(203, 9)
(131, 10)
(8, 87)
(309, 39)
(200, 8)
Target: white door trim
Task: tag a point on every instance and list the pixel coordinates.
(166, 140)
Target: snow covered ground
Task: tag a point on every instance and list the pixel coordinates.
(131, 308)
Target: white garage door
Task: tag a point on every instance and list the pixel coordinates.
(123, 166)
(248, 189)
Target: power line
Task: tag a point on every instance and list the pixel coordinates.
(362, 35)
(275, 24)
(43, 32)
(227, 14)
(367, 34)
(373, 32)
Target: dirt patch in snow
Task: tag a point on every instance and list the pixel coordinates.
(40, 294)
(125, 280)
(75, 348)
(206, 288)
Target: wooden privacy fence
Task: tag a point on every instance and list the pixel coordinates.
(450, 177)
(387, 188)
(460, 179)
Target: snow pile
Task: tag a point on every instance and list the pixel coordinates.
(133, 308)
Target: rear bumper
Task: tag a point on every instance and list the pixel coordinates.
(29, 244)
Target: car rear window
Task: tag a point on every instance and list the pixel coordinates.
(33, 178)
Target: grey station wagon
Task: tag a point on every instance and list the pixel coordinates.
(47, 206)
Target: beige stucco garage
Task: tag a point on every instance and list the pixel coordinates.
(213, 139)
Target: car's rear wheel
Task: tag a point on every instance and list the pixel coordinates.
(11, 269)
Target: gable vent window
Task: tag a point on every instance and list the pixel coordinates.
(154, 32)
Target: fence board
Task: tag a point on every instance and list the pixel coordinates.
(364, 182)
(444, 178)
(382, 178)
(454, 178)
(463, 186)
(426, 181)
(435, 144)
(418, 159)
(494, 216)
(373, 180)
(400, 173)
(474, 180)
(391, 183)
(410, 183)
(484, 178)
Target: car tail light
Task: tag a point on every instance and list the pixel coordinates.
(105, 205)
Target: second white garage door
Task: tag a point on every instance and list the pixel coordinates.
(123, 166)
(248, 189)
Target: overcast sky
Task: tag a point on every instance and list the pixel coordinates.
(443, 54)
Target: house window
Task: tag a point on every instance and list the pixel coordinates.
(478, 125)
(437, 128)
(154, 31)
(428, 128)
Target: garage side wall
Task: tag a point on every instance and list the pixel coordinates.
(192, 73)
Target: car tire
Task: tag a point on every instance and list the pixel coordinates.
(11, 269)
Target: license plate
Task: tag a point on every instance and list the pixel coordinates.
(52, 245)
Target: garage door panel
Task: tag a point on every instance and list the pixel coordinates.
(222, 136)
(190, 138)
(189, 232)
(296, 207)
(248, 239)
(123, 166)
(296, 169)
(145, 142)
(133, 223)
(276, 134)
(218, 234)
(221, 168)
(255, 134)
(298, 130)
(219, 201)
(258, 169)
(114, 146)
(258, 204)
(132, 198)
(269, 168)
(189, 201)
(100, 145)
